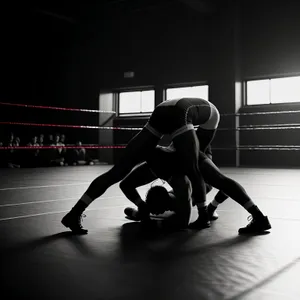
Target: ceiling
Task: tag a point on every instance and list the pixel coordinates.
(78, 12)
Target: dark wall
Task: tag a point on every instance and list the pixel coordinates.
(52, 61)
(35, 66)
(270, 39)
(270, 48)
(224, 60)
(162, 47)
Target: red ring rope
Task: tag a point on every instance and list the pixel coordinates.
(246, 147)
(60, 147)
(244, 127)
(57, 108)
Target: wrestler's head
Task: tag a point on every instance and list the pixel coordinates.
(158, 200)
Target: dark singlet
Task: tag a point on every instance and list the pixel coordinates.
(179, 115)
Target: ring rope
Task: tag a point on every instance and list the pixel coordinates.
(270, 125)
(262, 113)
(246, 147)
(268, 148)
(60, 147)
(260, 148)
(57, 108)
(69, 126)
(264, 128)
(241, 128)
(113, 112)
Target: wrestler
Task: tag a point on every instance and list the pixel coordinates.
(176, 118)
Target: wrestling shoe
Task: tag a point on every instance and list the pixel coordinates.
(202, 222)
(132, 214)
(73, 221)
(255, 226)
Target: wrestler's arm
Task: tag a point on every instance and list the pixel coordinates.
(182, 214)
(139, 176)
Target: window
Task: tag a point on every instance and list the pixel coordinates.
(136, 102)
(277, 90)
(258, 92)
(200, 91)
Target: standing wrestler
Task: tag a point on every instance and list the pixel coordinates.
(176, 118)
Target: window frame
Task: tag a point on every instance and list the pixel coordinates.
(132, 90)
(245, 87)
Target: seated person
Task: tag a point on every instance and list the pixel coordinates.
(82, 155)
(57, 153)
(9, 158)
(79, 156)
(16, 156)
(41, 139)
(49, 140)
(164, 164)
(32, 156)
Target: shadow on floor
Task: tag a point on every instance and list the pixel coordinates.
(35, 244)
(133, 241)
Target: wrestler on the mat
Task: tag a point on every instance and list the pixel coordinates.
(163, 164)
(176, 118)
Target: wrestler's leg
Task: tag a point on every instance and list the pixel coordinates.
(213, 215)
(205, 137)
(187, 147)
(135, 152)
(208, 188)
(219, 198)
(139, 176)
(213, 176)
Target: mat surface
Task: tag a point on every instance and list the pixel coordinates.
(40, 259)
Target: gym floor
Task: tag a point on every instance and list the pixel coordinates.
(40, 259)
